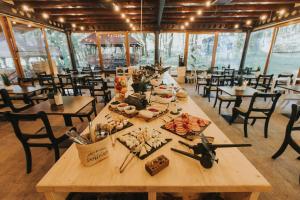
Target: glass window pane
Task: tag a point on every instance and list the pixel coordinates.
(200, 51)
(86, 50)
(113, 50)
(59, 50)
(230, 49)
(31, 48)
(258, 49)
(171, 46)
(7, 65)
(286, 51)
(141, 48)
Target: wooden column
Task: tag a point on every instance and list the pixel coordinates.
(156, 47)
(274, 36)
(7, 30)
(186, 48)
(127, 47)
(213, 60)
(98, 36)
(248, 34)
(71, 50)
(52, 70)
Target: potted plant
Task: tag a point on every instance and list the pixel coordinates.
(5, 79)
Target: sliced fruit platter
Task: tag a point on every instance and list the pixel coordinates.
(144, 141)
(186, 126)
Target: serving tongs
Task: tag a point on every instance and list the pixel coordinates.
(129, 157)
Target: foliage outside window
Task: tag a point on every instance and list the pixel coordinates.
(171, 46)
(31, 48)
(6, 61)
(258, 48)
(86, 50)
(113, 50)
(200, 51)
(58, 47)
(230, 49)
(286, 51)
(142, 48)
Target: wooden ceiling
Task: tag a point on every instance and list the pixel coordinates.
(162, 14)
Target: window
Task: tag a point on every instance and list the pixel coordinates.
(171, 46)
(258, 48)
(230, 49)
(59, 50)
(141, 48)
(200, 51)
(86, 51)
(113, 50)
(286, 51)
(6, 61)
(31, 48)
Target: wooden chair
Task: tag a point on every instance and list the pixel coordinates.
(288, 140)
(255, 111)
(9, 105)
(214, 83)
(263, 82)
(46, 136)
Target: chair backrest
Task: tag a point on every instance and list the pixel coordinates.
(86, 69)
(7, 102)
(264, 81)
(26, 81)
(15, 119)
(229, 72)
(216, 80)
(47, 80)
(97, 68)
(258, 100)
(65, 79)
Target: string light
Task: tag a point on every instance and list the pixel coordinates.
(62, 20)
(29, 25)
(45, 15)
(74, 25)
(82, 28)
(25, 8)
(14, 22)
(181, 27)
(199, 12)
(116, 7)
(127, 20)
(236, 26)
(186, 23)
(192, 19)
(248, 22)
(123, 15)
(281, 12)
(208, 4)
(263, 17)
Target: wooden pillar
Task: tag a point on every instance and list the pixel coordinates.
(213, 60)
(98, 36)
(186, 48)
(127, 47)
(156, 47)
(8, 32)
(248, 34)
(71, 50)
(274, 36)
(52, 70)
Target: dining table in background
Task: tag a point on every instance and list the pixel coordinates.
(71, 106)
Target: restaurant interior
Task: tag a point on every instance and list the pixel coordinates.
(149, 99)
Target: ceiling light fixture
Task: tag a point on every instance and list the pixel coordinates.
(248, 22)
(263, 17)
(61, 19)
(127, 20)
(281, 12)
(14, 22)
(74, 25)
(208, 4)
(25, 8)
(123, 15)
(236, 26)
(29, 25)
(45, 15)
(116, 7)
(181, 27)
(186, 23)
(82, 28)
(199, 12)
(192, 19)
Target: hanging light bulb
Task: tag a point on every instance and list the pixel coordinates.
(199, 12)
(186, 23)
(236, 26)
(73, 25)
(182, 27)
(208, 4)
(45, 15)
(192, 18)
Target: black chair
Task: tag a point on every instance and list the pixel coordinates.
(288, 140)
(66, 83)
(263, 83)
(46, 136)
(48, 81)
(26, 81)
(9, 105)
(279, 82)
(223, 98)
(100, 89)
(200, 80)
(214, 82)
(255, 111)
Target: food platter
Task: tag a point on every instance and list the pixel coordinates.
(144, 141)
(186, 126)
(114, 124)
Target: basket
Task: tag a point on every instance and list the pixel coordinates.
(90, 154)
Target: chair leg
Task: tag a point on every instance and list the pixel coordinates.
(228, 104)
(220, 106)
(281, 149)
(245, 127)
(28, 158)
(81, 119)
(266, 127)
(234, 116)
(56, 152)
(253, 122)
(216, 102)
(89, 118)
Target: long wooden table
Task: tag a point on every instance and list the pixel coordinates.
(234, 175)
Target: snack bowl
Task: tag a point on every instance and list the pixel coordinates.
(154, 110)
(114, 104)
(146, 114)
(129, 110)
(121, 106)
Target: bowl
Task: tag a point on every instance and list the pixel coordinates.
(146, 114)
(129, 110)
(154, 110)
(121, 106)
(114, 104)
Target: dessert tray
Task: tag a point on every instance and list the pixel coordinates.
(186, 126)
(143, 141)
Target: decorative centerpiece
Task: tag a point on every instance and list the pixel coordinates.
(120, 87)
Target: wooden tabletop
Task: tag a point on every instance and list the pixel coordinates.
(18, 89)
(295, 88)
(248, 92)
(71, 105)
(233, 173)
